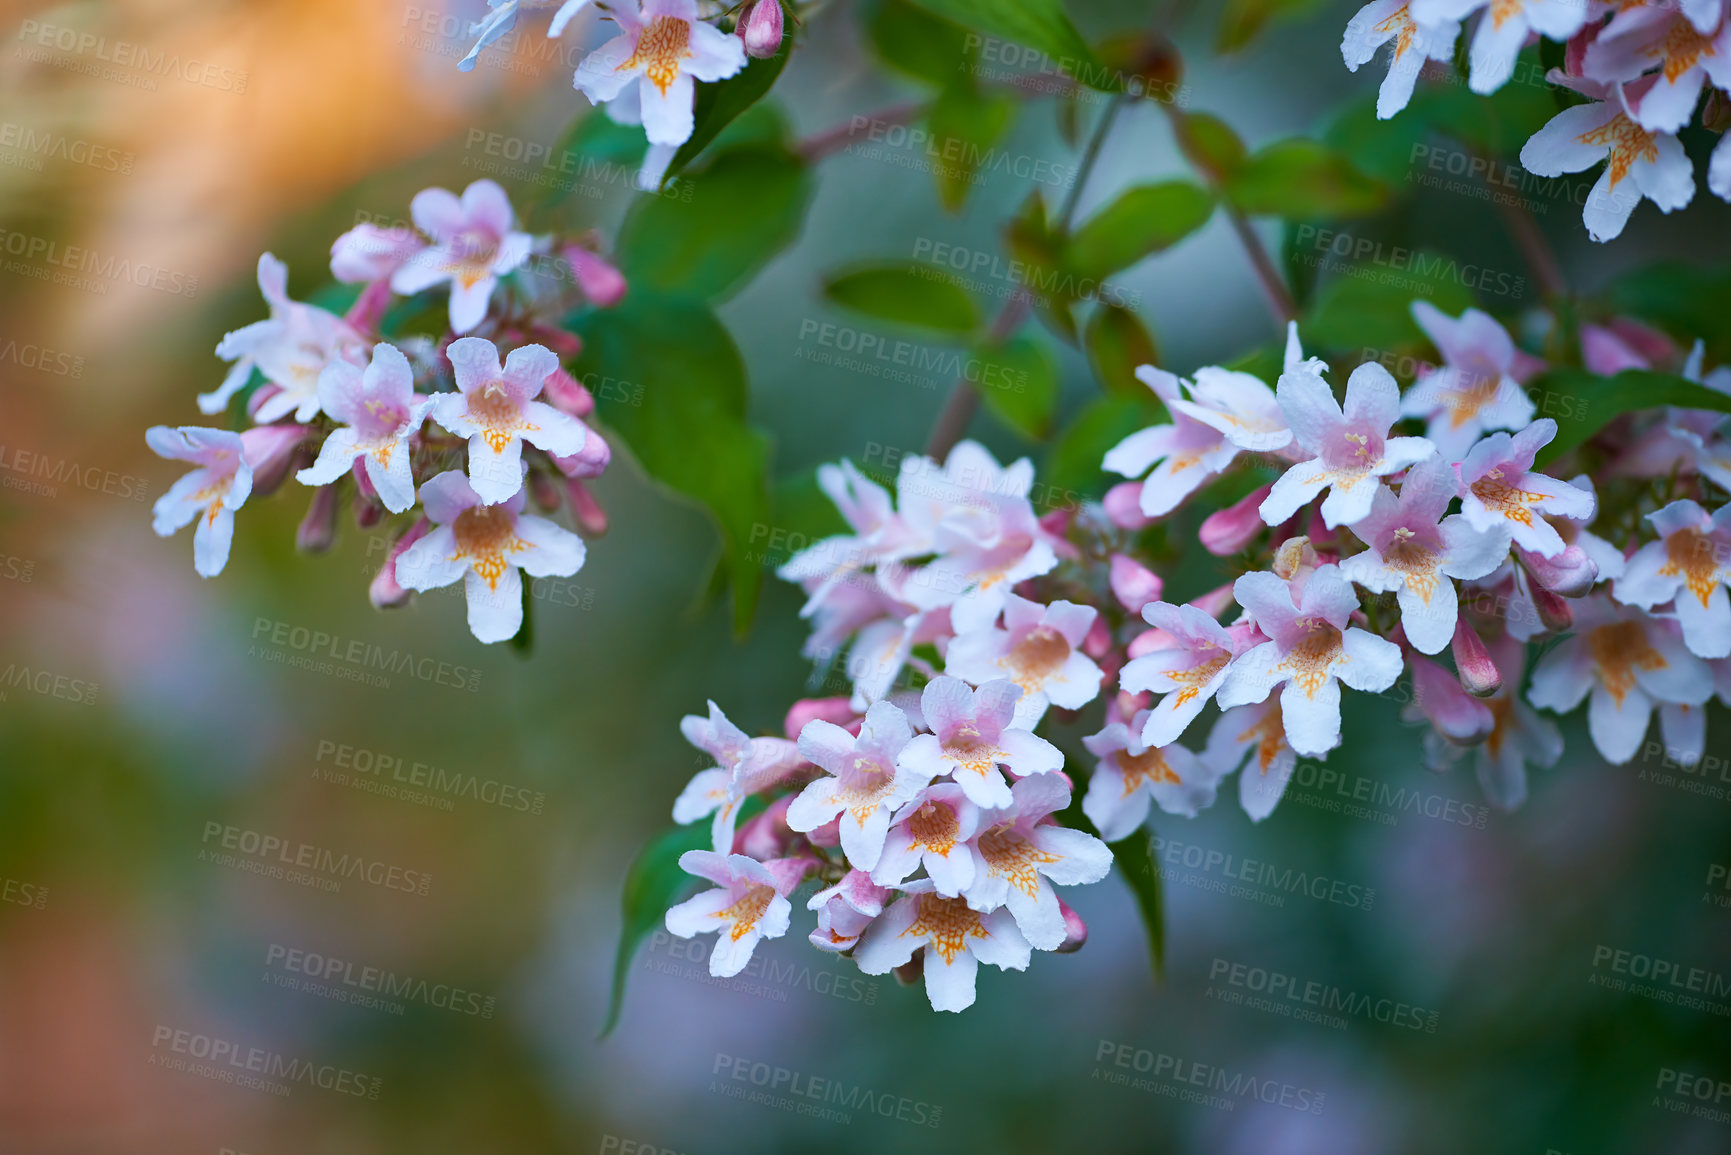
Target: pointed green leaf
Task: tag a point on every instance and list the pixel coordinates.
(718, 104)
(1583, 403)
(1303, 180)
(906, 292)
(1039, 24)
(1134, 857)
(652, 884)
(1117, 342)
(1142, 221)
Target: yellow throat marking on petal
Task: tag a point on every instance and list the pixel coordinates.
(947, 924)
(497, 414)
(664, 42)
(1150, 767)
(1036, 657)
(1011, 854)
(1404, 28)
(1681, 48)
(1502, 498)
(1269, 734)
(748, 911)
(1620, 649)
(1416, 563)
(1694, 555)
(1191, 681)
(1627, 142)
(485, 535)
(861, 799)
(1311, 662)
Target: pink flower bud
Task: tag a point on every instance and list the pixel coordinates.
(271, 450)
(369, 308)
(1057, 522)
(805, 710)
(1098, 639)
(566, 394)
(590, 461)
(369, 510)
(768, 835)
(601, 282)
(1473, 662)
(1554, 611)
(1134, 584)
(1216, 601)
(828, 835)
(1570, 574)
(318, 529)
(1229, 530)
(1075, 930)
(370, 253)
(591, 519)
(385, 592)
(1123, 505)
(1150, 640)
(1440, 700)
(790, 872)
(760, 26)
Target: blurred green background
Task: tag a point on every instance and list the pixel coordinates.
(1471, 958)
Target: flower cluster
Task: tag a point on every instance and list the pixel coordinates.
(648, 74)
(937, 821)
(435, 432)
(1640, 65)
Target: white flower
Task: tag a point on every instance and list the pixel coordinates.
(1350, 445)
(485, 545)
(210, 493)
(1498, 487)
(1130, 773)
(473, 245)
(972, 736)
(1475, 390)
(749, 904)
(648, 72)
(291, 349)
(1630, 661)
(1187, 672)
(495, 408)
(1018, 856)
(864, 785)
(381, 412)
(1382, 21)
(1260, 731)
(1312, 652)
(502, 17)
(956, 938)
(1415, 550)
(845, 910)
(1653, 36)
(1691, 563)
(1039, 649)
(1503, 30)
(743, 766)
(932, 830)
(1640, 162)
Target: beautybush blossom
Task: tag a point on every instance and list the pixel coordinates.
(427, 430)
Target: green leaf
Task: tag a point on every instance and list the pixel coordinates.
(1688, 301)
(906, 292)
(1583, 403)
(1039, 24)
(1369, 305)
(1019, 382)
(1303, 180)
(745, 207)
(1135, 859)
(1073, 465)
(689, 431)
(966, 123)
(1117, 342)
(1144, 220)
(1212, 146)
(1030, 239)
(652, 885)
(917, 43)
(1242, 20)
(718, 104)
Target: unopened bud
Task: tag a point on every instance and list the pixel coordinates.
(1098, 640)
(591, 519)
(271, 450)
(590, 461)
(1123, 505)
(1473, 662)
(1226, 531)
(1554, 611)
(760, 27)
(566, 394)
(767, 836)
(1216, 601)
(1571, 573)
(1134, 584)
(834, 710)
(1075, 930)
(369, 308)
(1295, 560)
(318, 529)
(600, 281)
(385, 592)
